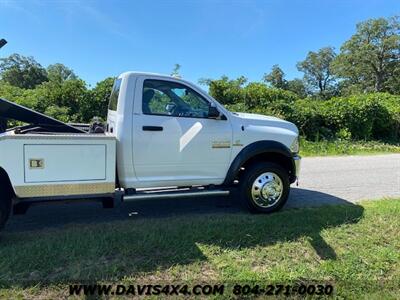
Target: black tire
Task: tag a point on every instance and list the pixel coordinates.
(5, 209)
(249, 177)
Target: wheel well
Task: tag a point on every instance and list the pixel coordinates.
(272, 157)
(5, 184)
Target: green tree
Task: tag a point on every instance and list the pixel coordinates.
(96, 102)
(25, 97)
(62, 98)
(259, 95)
(370, 59)
(225, 90)
(297, 86)
(59, 72)
(176, 71)
(317, 70)
(21, 71)
(276, 78)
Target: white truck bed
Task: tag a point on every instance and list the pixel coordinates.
(47, 165)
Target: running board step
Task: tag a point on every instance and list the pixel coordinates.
(175, 194)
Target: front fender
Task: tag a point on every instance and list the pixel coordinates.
(254, 149)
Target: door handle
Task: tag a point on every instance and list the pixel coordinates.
(152, 128)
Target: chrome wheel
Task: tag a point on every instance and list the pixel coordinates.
(267, 189)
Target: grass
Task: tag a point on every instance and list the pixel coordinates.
(344, 147)
(356, 248)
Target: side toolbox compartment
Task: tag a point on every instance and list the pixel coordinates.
(64, 162)
(61, 165)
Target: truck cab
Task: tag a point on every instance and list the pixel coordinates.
(164, 138)
(169, 132)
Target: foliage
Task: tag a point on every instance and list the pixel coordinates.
(370, 59)
(176, 71)
(67, 94)
(297, 86)
(21, 71)
(96, 101)
(58, 72)
(58, 112)
(317, 70)
(227, 91)
(276, 78)
(62, 96)
(259, 95)
(362, 116)
(235, 93)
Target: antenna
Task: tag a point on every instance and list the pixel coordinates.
(2, 42)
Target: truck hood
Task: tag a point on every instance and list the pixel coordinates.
(261, 120)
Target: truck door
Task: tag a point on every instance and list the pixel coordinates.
(174, 140)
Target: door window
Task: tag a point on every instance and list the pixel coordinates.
(114, 95)
(169, 98)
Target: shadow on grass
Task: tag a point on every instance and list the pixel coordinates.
(112, 246)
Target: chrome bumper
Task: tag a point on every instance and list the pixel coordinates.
(297, 163)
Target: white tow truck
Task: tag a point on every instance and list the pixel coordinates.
(164, 138)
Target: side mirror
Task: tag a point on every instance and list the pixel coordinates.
(213, 112)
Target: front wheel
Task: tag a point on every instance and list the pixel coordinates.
(264, 187)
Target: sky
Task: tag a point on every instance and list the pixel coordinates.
(207, 38)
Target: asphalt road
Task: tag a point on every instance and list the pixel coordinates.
(323, 181)
(347, 178)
